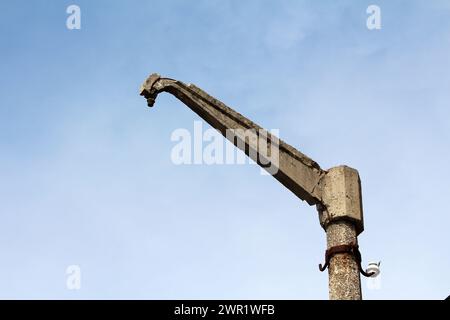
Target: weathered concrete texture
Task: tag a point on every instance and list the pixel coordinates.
(296, 171)
(343, 272)
(336, 192)
(341, 196)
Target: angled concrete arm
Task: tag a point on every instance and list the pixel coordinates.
(295, 170)
(336, 192)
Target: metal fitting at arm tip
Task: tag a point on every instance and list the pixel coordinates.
(147, 89)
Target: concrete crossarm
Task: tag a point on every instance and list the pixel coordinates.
(295, 171)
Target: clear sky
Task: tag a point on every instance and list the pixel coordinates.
(86, 176)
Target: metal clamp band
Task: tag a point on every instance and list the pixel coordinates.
(352, 249)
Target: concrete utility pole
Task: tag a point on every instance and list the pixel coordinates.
(335, 192)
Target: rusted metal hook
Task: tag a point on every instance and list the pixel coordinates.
(352, 249)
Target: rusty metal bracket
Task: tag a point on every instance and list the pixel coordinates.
(352, 249)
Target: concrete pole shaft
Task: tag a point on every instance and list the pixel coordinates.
(343, 272)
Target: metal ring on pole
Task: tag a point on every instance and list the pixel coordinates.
(352, 249)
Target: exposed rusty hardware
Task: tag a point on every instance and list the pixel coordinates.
(337, 190)
(352, 249)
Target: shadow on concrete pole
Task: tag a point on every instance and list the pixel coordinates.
(342, 220)
(335, 192)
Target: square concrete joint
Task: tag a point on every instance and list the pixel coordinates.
(341, 195)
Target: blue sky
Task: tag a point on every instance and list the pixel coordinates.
(85, 168)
